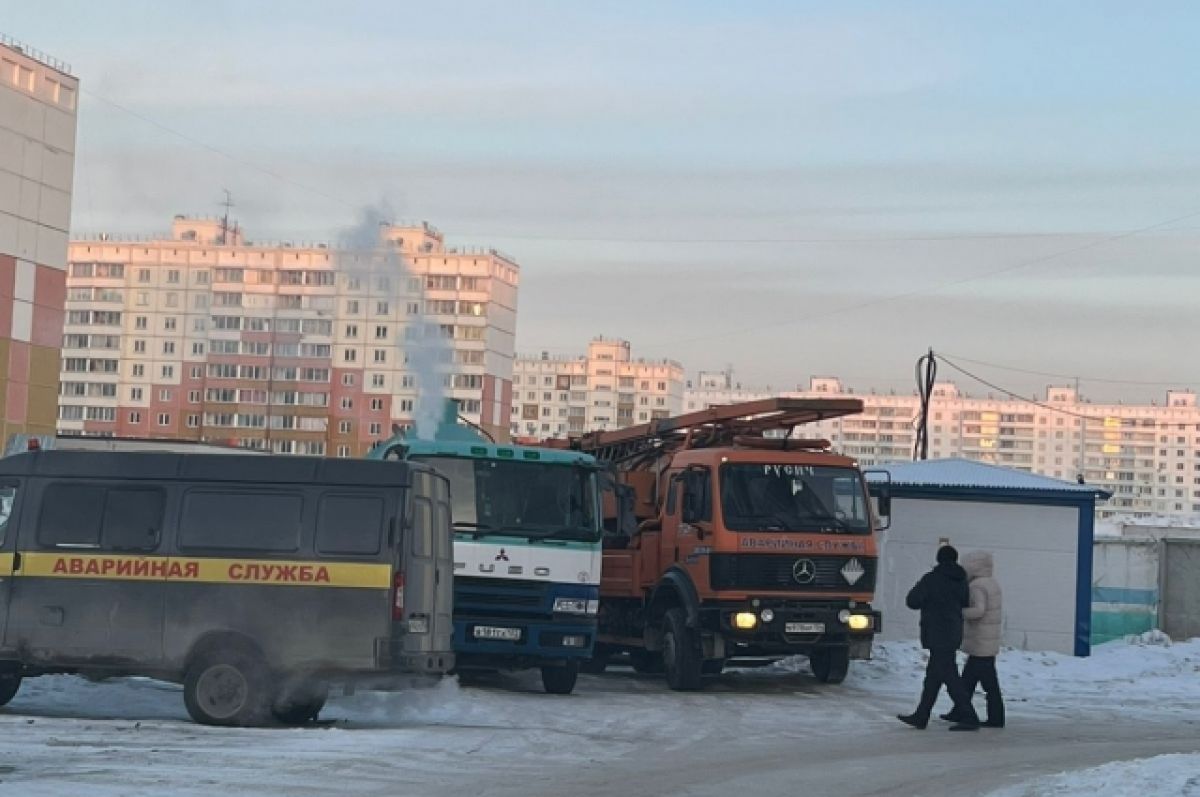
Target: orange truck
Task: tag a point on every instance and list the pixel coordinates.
(729, 539)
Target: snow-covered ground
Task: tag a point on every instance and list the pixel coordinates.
(65, 735)
(1162, 776)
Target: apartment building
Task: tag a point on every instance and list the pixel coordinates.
(302, 349)
(554, 397)
(37, 162)
(1147, 455)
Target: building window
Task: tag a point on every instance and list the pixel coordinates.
(168, 371)
(139, 347)
(352, 307)
(164, 419)
(377, 380)
(164, 395)
(135, 417)
(352, 330)
(139, 370)
(381, 333)
(376, 404)
(343, 452)
(350, 355)
(345, 427)
(135, 394)
(380, 355)
(348, 380)
(169, 323)
(144, 275)
(168, 347)
(347, 403)
(198, 349)
(193, 396)
(382, 308)
(193, 421)
(140, 322)
(376, 429)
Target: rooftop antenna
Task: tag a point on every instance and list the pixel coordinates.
(227, 204)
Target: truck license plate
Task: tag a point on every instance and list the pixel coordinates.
(498, 632)
(804, 628)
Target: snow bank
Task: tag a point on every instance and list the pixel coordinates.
(1161, 776)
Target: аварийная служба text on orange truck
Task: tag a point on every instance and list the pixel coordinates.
(731, 539)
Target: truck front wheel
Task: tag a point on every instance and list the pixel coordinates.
(681, 652)
(830, 665)
(560, 680)
(10, 682)
(227, 687)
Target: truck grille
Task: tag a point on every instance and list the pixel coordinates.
(771, 571)
(474, 595)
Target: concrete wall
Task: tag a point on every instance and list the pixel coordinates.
(1125, 591)
(1036, 556)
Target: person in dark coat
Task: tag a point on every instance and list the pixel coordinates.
(940, 596)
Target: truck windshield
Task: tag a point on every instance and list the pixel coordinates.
(524, 499)
(809, 498)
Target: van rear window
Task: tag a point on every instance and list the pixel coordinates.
(244, 521)
(350, 525)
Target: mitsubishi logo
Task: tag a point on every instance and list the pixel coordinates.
(501, 557)
(804, 571)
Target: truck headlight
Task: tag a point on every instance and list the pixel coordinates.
(745, 620)
(859, 622)
(570, 606)
(767, 615)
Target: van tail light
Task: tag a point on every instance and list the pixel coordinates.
(398, 596)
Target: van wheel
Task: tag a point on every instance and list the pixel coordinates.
(300, 703)
(830, 665)
(10, 682)
(560, 680)
(681, 652)
(646, 662)
(228, 688)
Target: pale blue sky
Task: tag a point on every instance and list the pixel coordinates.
(760, 143)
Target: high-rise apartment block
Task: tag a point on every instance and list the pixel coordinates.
(554, 397)
(300, 349)
(1147, 455)
(37, 162)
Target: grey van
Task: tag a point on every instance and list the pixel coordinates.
(254, 581)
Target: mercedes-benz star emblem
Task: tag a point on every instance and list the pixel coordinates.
(804, 571)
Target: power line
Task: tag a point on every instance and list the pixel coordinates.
(1150, 383)
(1017, 396)
(849, 308)
(217, 151)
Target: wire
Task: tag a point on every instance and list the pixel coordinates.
(217, 151)
(1017, 396)
(937, 286)
(925, 385)
(1070, 376)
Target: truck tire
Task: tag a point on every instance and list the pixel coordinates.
(646, 662)
(228, 688)
(681, 652)
(300, 703)
(830, 665)
(560, 680)
(10, 682)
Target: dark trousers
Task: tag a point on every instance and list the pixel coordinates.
(982, 670)
(942, 670)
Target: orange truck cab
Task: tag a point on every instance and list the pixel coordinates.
(729, 539)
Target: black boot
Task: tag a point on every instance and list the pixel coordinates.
(915, 720)
(949, 716)
(965, 726)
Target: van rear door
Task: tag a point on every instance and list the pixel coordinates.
(8, 547)
(427, 562)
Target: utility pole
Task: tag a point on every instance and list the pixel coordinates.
(227, 204)
(1082, 435)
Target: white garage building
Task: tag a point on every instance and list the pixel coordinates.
(1038, 529)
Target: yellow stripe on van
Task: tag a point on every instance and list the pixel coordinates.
(202, 570)
(6, 564)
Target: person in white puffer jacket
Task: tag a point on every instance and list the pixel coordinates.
(982, 625)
